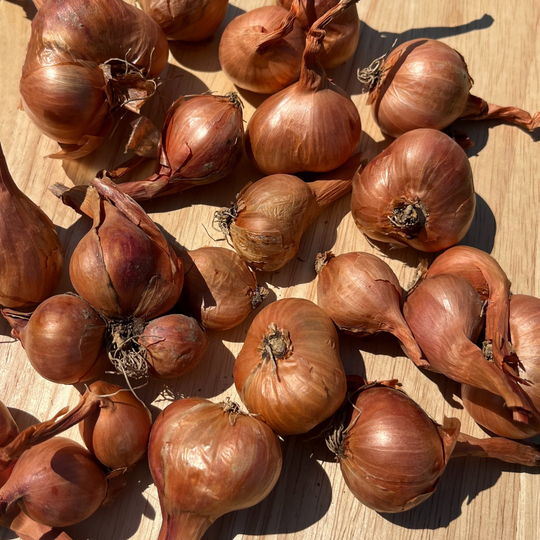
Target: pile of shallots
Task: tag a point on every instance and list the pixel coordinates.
(143, 307)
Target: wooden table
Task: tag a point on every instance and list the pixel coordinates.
(476, 499)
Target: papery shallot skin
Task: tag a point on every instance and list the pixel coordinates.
(207, 461)
(423, 173)
(393, 454)
(64, 87)
(289, 370)
(342, 34)
(489, 409)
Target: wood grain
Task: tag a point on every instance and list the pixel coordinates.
(475, 498)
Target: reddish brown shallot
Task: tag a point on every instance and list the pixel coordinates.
(261, 50)
(208, 459)
(444, 313)
(362, 295)
(220, 289)
(269, 217)
(84, 61)
(289, 371)
(310, 126)
(392, 454)
(418, 192)
(424, 83)
(31, 255)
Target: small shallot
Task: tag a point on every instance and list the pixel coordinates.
(63, 339)
(208, 459)
(424, 83)
(261, 50)
(220, 289)
(444, 313)
(289, 371)
(173, 344)
(418, 192)
(57, 483)
(269, 217)
(312, 125)
(362, 295)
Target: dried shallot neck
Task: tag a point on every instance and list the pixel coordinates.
(276, 345)
(322, 260)
(125, 352)
(224, 218)
(411, 217)
(371, 77)
(258, 296)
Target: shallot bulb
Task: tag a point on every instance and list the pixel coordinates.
(31, 255)
(289, 371)
(342, 34)
(57, 483)
(269, 217)
(202, 141)
(310, 126)
(8, 431)
(262, 49)
(424, 83)
(392, 454)
(444, 313)
(85, 60)
(208, 459)
(124, 267)
(114, 424)
(220, 289)
(362, 295)
(173, 344)
(63, 339)
(488, 409)
(418, 192)
(28, 529)
(484, 273)
(187, 20)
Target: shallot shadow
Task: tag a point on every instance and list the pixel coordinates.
(28, 6)
(374, 44)
(203, 55)
(447, 387)
(22, 418)
(132, 503)
(111, 153)
(481, 234)
(462, 481)
(301, 497)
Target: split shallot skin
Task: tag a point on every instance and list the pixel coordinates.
(419, 192)
(261, 50)
(289, 370)
(362, 295)
(76, 74)
(312, 125)
(342, 34)
(488, 409)
(444, 313)
(220, 289)
(208, 459)
(186, 20)
(31, 254)
(424, 83)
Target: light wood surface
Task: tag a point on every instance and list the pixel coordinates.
(475, 499)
